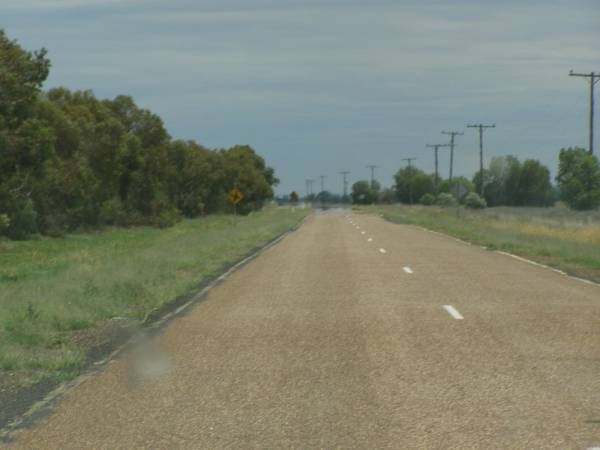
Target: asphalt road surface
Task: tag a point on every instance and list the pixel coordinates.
(354, 333)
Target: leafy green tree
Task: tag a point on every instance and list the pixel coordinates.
(412, 184)
(535, 188)
(510, 183)
(244, 169)
(26, 143)
(68, 159)
(363, 193)
(579, 178)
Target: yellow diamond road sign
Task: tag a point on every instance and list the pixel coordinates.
(235, 196)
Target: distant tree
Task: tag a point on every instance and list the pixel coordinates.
(510, 183)
(388, 196)
(327, 197)
(410, 180)
(579, 178)
(363, 193)
(535, 188)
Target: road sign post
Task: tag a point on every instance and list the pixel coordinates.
(234, 197)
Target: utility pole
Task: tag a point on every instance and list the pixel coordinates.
(481, 127)
(410, 182)
(372, 175)
(322, 182)
(594, 77)
(452, 134)
(308, 183)
(436, 147)
(344, 173)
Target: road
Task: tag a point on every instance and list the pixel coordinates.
(356, 333)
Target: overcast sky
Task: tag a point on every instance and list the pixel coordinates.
(322, 86)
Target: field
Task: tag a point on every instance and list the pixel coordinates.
(55, 293)
(558, 237)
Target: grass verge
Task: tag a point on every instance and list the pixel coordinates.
(553, 236)
(55, 293)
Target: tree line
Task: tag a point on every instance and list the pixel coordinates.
(506, 182)
(70, 160)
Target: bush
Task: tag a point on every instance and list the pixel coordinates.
(4, 222)
(445, 200)
(474, 201)
(112, 212)
(427, 199)
(55, 225)
(167, 218)
(23, 222)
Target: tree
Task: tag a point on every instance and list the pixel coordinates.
(26, 143)
(412, 184)
(363, 193)
(68, 159)
(579, 178)
(510, 183)
(535, 188)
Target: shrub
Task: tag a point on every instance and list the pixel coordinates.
(445, 200)
(167, 218)
(4, 222)
(474, 201)
(55, 225)
(112, 212)
(427, 199)
(23, 222)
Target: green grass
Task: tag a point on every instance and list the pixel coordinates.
(557, 237)
(51, 288)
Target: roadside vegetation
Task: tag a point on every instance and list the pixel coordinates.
(55, 292)
(69, 160)
(506, 182)
(558, 237)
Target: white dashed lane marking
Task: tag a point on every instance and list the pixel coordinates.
(407, 269)
(370, 240)
(453, 312)
(382, 250)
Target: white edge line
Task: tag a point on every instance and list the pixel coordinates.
(89, 373)
(520, 258)
(453, 312)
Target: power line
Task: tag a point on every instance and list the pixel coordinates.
(410, 160)
(481, 127)
(436, 147)
(373, 174)
(594, 78)
(452, 135)
(344, 173)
